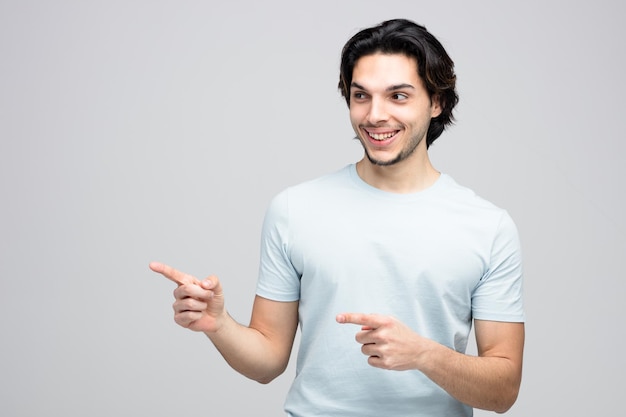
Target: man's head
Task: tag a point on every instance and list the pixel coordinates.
(434, 66)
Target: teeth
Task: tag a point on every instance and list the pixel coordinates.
(381, 136)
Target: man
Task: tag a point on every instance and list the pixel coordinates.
(388, 244)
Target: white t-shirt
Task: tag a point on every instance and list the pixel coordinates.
(435, 260)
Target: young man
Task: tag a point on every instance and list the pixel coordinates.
(388, 244)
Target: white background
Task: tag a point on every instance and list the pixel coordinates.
(133, 131)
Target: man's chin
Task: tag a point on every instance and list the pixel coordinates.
(383, 162)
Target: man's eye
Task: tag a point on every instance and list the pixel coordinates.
(399, 96)
(359, 96)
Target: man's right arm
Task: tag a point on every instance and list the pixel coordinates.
(261, 350)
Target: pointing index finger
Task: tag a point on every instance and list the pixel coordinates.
(172, 274)
(368, 320)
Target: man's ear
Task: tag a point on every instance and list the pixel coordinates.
(435, 106)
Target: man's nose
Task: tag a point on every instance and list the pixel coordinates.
(378, 111)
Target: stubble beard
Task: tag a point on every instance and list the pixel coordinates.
(406, 152)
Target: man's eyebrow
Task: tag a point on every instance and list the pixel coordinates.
(390, 88)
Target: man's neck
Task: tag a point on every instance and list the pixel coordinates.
(409, 176)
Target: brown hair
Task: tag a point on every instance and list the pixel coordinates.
(434, 66)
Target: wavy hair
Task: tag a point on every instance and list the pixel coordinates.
(434, 66)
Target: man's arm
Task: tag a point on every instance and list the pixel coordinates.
(488, 381)
(260, 350)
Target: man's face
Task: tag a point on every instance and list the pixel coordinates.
(390, 109)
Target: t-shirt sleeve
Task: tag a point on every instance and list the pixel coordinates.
(499, 294)
(278, 279)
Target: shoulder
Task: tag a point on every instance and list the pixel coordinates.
(462, 194)
(309, 195)
(464, 197)
(465, 203)
(316, 188)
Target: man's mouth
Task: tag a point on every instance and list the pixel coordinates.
(381, 136)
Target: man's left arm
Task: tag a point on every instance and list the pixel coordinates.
(488, 381)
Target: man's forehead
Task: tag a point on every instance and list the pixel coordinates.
(386, 71)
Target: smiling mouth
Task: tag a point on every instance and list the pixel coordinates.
(381, 136)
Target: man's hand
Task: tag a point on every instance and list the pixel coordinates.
(199, 305)
(389, 343)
